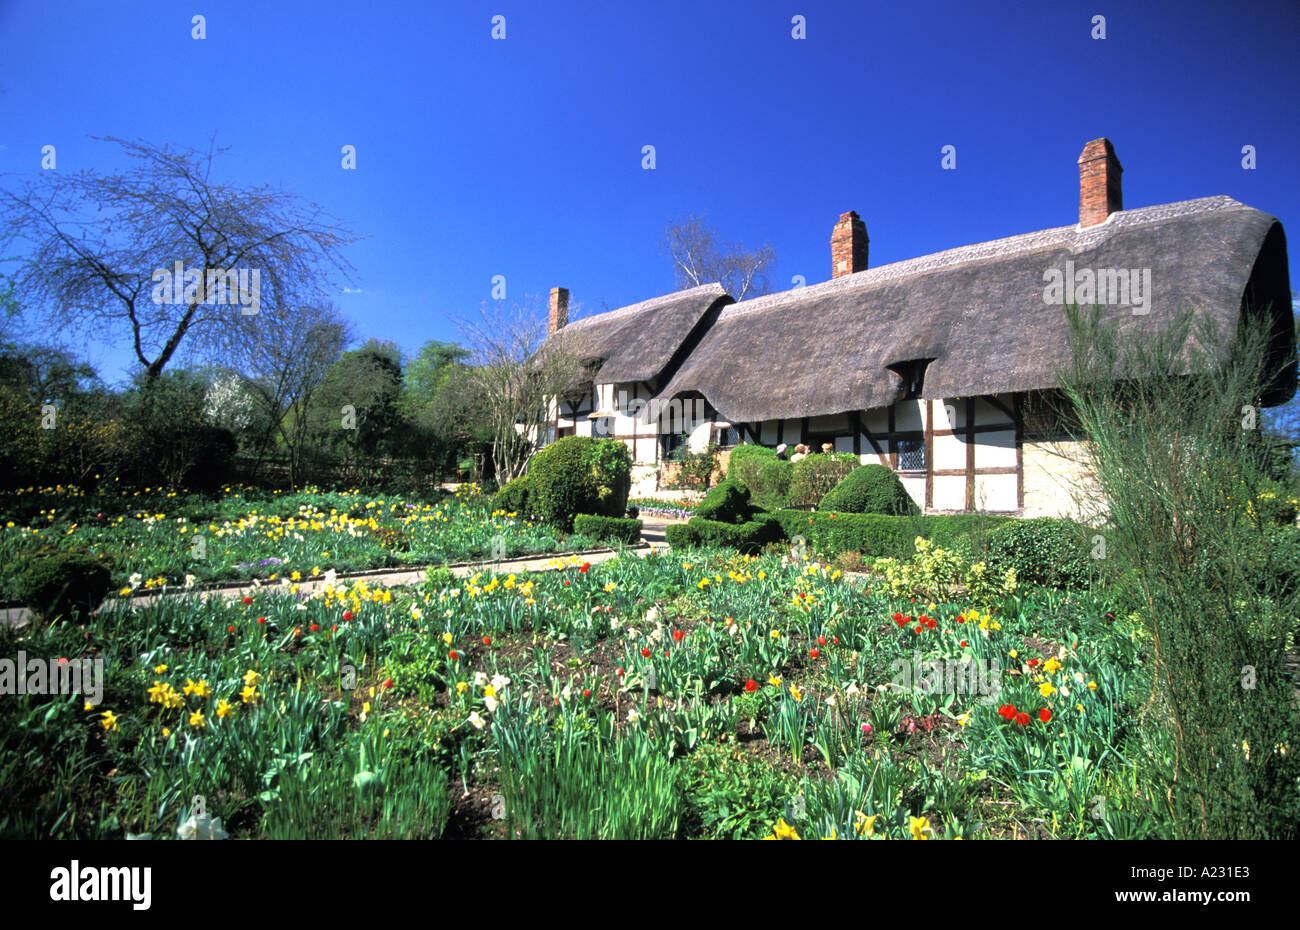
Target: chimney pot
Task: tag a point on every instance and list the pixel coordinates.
(559, 317)
(848, 245)
(1100, 193)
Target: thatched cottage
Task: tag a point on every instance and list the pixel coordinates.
(938, 366)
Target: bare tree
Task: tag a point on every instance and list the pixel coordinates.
(103, 250)
(699, 256)
(517, 373)
(283, 357)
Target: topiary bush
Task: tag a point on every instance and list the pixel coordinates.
(1043, 551)
(746, 460)
(748, 537)
(608, 529)
(771, 488)
(815, 475)
(63, 584)
(579, 474)
(727, 503)
(870, 489)
(515, 498)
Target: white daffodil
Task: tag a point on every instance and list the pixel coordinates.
(201, 827)
(477, 721)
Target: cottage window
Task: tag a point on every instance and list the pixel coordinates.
(726, 436)
(911, 455)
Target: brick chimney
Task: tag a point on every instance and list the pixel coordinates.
(1099, 187)
(559, 310)
(848, 245)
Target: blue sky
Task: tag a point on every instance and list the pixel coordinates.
(522, 156)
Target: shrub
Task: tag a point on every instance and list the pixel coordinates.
(935, 574)
(869, 489)
(608, 529)
(579, 474)
(968, 533)
(815, 475)
(871, 534)
(1047, 552)
(771, 487)
(727, 503)
(749, 537)
(849, 561)
(746, 460)
(515, 498)
(63, 584)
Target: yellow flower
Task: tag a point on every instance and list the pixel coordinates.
(1046, 689)
(920, 827)
(447, 638)
(864, 824)
(794, 693)
(197, 720)
(249, 695)
(110, 720)
(252, 679)
(159, 669)
(1051, 666)
(461, 687)
(610, 587)
(1092, 686)
(783, 831)
(223, 709)
(198, 690)
(1014, 653)
(964, 719)
(774, 680)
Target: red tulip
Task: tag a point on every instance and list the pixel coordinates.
(1022, 719)
(618, 672)
(315, 627)
(566, 582)
(963, 644)
(585, 566)
(898, 618)
(453, 655)
(645, 653)
(487, 640)
(751, 685)
(918, 628)
(586, 692)
(821, 640)
(1033, 662)
(1044, 715)
(247, 600)
(961, 619)
(815, 653)
(347, 615)
(297, 631)
(261, 621)
(677, 635)
(231, 628)
(388, 683)
(334, 628)
(835, 640)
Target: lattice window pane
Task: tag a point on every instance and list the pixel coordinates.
(911, 455)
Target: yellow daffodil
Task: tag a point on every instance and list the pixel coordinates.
(774, 680)
(224, 709)
(197, 719)
(249, 695)
(783, 831)
(1092, 686)
(920, 827)
(864, 824)
(109, 721)
(795, 693)
(252, 679)
(159, 669)
(1046, 689)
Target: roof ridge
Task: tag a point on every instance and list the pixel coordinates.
(652, 303)
(1040, 240)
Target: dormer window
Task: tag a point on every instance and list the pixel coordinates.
(912, 374)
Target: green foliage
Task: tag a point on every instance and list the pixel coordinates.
(813, 476)
(580, 474)
(1048, 552)
(63, 584)
(695, 468)
(749, 537)
(608, 529)
(873, 535)
(771, 487)
(937, 574)
(869, 489)
(727, 503)
(515, 497)
(731, 794)
(746, 459)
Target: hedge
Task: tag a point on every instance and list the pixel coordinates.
(747, 537)
(870, 489)
(726, 503)
(813, 476)
(1043, 551)
(515, 497)
(883, 536)
(579, 474)
(62, 584)
(611, 529)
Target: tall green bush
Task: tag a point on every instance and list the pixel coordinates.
(813, 476)
(870, 489)
(1046, 552)
(579, 474)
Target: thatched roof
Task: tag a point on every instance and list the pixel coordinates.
(637, 342)
(977, 312)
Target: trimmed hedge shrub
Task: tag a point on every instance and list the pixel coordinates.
(873, 535)
(726, 503)
(813, 476)
(579, 474)
(870, 489)
(63, 584)
(771, 488)
(610, 529)
(746, 460)
(515, 498)
(749, 537)
(1043, 551)
(967, 533)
